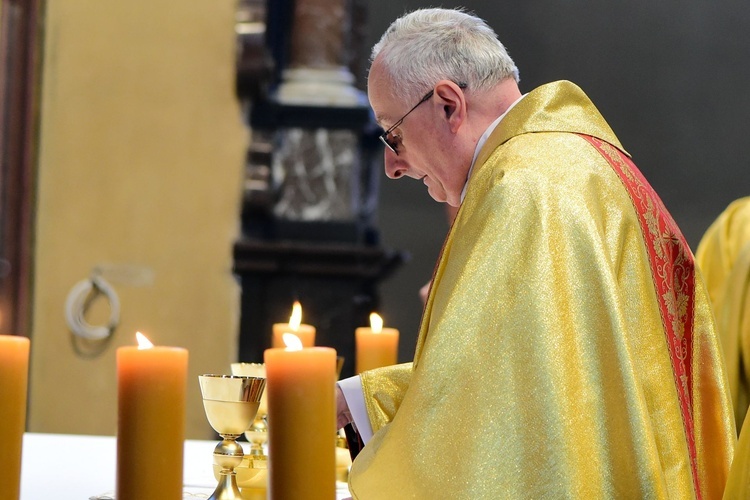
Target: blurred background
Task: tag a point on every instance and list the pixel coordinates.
(206, 164)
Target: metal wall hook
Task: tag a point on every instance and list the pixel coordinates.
(79, 300)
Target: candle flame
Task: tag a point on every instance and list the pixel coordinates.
(143, 342)
(296, 318)
(292, 342)
(376, 323)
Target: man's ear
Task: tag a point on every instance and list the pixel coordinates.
(453, 102)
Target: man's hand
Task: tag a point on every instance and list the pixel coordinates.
(424, 292)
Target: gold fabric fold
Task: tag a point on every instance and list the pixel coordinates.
(541, 368)
(721, 245)
(738, 484)
(733, 321)
(384, 389)
(723, 255)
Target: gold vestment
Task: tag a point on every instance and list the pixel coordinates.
(542, 368)
(723, 256)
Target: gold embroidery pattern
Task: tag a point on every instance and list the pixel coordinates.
(674, 279)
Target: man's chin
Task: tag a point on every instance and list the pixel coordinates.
(440, 197)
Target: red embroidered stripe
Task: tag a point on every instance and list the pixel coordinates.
(673, 271)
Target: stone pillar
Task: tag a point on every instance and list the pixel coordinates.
(317, 73)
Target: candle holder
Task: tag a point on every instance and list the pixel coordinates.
(231, 403)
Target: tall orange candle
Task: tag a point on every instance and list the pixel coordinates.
(375, 346)
(14, 377)
(301, 421)
(306, 333)
(151, 387)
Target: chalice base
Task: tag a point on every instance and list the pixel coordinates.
(227, 488)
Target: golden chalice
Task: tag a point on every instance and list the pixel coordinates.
(230, 403)
(252, 473)
(257, 433)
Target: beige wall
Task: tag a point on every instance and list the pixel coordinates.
(140, 163)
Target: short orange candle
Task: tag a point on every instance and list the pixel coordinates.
(375, 346)
(151, 387)
(300, 384)
(14, 377)
(306, 333)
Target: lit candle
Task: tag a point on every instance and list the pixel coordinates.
(151, 386)
(14, 375)
(301, 421)
(306, 333)
(376, 346)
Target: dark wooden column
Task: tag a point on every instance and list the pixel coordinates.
(311, 183)
(20, 49)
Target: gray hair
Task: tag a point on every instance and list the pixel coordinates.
(428, 45)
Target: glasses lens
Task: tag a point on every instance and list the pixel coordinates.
(387, 139)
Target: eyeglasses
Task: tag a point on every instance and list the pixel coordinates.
(386, 136)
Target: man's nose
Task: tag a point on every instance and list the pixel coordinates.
(393, 168)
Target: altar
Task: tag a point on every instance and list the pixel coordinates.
(79, 467)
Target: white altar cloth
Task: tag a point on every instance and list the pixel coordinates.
(77, 467)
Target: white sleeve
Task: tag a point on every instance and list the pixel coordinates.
(355, 399)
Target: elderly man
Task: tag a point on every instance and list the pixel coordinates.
(567, 348)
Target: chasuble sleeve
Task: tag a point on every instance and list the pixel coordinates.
(384, 389)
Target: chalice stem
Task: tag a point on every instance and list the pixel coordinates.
(227, 488)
